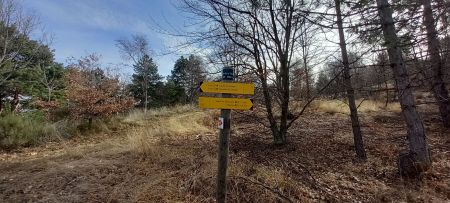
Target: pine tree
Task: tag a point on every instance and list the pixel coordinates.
(145, 81)
(417, 159)
(186, 77)
(177, 80)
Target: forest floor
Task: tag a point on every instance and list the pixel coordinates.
(135, 164)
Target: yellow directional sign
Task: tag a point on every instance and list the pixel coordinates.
(225, 103)
(228, 87)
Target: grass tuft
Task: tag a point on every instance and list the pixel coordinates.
(140, 117)
(160, 125)
(367, 106)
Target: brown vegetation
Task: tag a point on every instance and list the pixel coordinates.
(92, 93)
(169, 155)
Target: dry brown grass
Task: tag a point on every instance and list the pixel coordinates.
(367, 106)
(140, 117)
(163, 125)
(170, 155)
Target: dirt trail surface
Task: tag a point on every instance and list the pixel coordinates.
(317, 165)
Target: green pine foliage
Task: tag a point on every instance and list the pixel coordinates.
(145, 82)
(177, 80)
(22, 58)
(50, 82)
(185, 79)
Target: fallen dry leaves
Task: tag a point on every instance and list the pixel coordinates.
(317, 165)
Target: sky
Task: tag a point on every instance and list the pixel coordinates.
(81, 27)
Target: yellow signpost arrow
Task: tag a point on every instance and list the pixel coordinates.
(228, 87)
(225, 103)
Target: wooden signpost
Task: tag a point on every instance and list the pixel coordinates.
(225, 103)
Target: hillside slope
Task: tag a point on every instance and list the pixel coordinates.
(170, 156)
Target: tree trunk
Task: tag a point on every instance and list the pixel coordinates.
(438, 85)
(418, 148)
(284, 73)
(90, 122)
(270, 117)
(49, 94)
(1, 104)
(357, 134)
(308, 83)
(145, 99)
(387, 92)
(305, 64)
(15, 102)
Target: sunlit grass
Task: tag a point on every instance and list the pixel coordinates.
(364, 106)
(158, 125)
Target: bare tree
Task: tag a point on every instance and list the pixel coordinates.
(267, 35)
(438, 85)
(135, 50)
(418, 158)
(357, 134)
(309, 51)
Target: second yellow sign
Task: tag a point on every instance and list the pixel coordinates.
(225, 103)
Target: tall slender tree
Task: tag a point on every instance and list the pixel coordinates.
(438, 85)
(145, 81)
(177, 80)
(136, 50)
(356, 127)
(418, 158)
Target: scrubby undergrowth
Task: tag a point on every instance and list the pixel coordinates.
(25, 130)
(34, 128)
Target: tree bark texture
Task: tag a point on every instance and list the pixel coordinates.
(418, 148)
(15, 101)
(438, 85)
(356, 127)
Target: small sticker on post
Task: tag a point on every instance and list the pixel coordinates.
(220, 123)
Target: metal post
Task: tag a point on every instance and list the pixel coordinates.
(224, 139)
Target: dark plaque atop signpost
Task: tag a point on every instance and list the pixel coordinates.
(227, 74)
